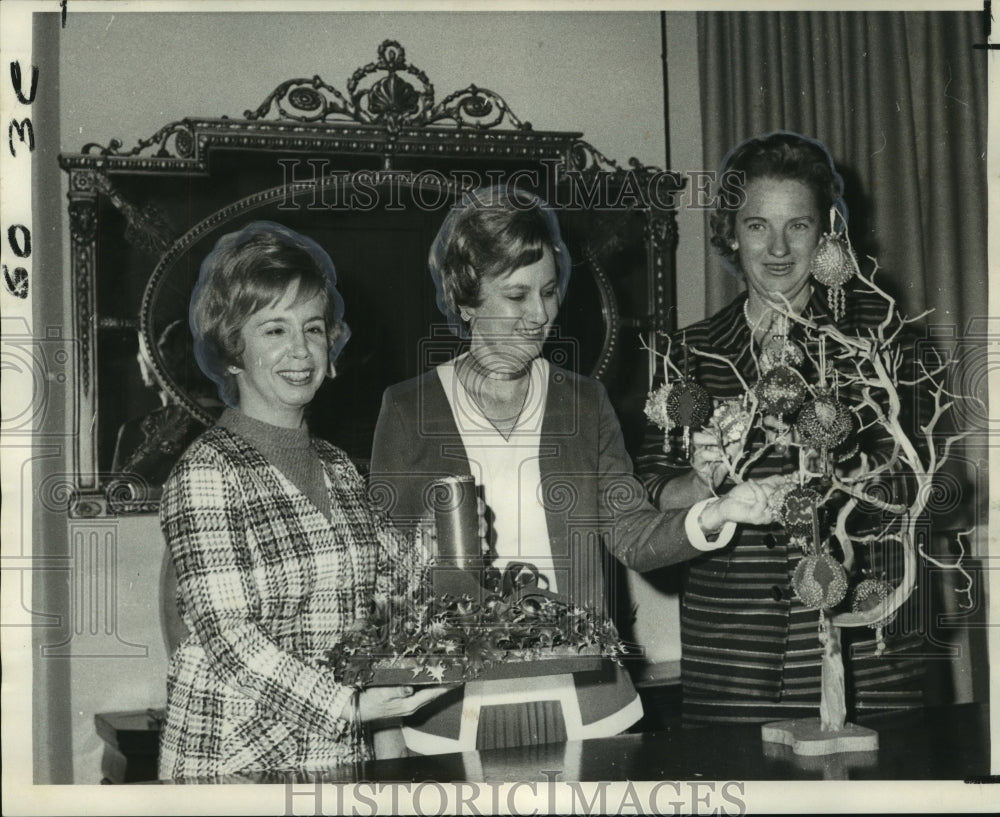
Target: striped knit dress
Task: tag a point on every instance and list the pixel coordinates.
(750, 651)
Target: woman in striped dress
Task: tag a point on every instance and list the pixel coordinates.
(750, 650)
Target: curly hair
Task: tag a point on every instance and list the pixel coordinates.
(778, 155)
(491, 232)
(245, 272)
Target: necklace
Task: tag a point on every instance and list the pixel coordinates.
(781, 332)
(776, 349)
(755, 327)
(494, 374)
(502, 410)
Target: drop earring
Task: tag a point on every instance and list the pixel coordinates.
(833, 264)
(233, 369)
(331, 371)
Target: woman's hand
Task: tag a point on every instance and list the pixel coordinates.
(707, 459)
(392, 703)
(746, 503)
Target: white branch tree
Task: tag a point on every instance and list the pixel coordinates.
(871, 373)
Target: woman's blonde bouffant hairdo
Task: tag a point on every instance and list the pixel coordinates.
(246, 271)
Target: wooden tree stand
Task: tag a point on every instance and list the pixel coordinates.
(828, 734)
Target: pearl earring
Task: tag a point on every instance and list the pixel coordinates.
(233, 369)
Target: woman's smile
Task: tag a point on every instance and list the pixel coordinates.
(515, 315)
(777, 231)
(300, 377)
(285, 357)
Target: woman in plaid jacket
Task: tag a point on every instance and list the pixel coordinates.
(276, 546)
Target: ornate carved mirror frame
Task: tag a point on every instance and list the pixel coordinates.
(141, 220)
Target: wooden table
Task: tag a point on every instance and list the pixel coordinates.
(947, 743)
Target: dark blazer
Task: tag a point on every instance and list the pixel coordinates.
(592, 500)
(590, 494)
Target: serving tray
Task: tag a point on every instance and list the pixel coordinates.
(554, 661)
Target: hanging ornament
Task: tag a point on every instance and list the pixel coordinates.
(820, 581)
(656, 408)
(824, 423)
(798, 510)
(871, 594)
(776, 501)
(780, 391)
(731, 420)
(776, 348)
(779, 350)
(833, 264)
(688, 404)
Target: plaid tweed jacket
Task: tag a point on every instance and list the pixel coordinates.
(266, 583)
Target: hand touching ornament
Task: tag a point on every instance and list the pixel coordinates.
(708, 460)
(717, 448)
(747, 503)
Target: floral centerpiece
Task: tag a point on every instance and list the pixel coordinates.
(420, 637)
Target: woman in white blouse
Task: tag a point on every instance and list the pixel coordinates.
(546, 451)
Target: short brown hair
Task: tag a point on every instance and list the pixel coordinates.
(491, 232)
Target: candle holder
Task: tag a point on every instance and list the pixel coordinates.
(458, 557)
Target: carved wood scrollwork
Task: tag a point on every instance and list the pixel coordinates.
(83, 229)
(388, 92)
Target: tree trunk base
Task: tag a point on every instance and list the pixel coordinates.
(805, 737)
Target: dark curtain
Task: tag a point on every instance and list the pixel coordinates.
(900, 100)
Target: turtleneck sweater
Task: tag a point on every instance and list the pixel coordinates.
(287, 449)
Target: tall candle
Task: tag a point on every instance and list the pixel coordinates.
(457, 518)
